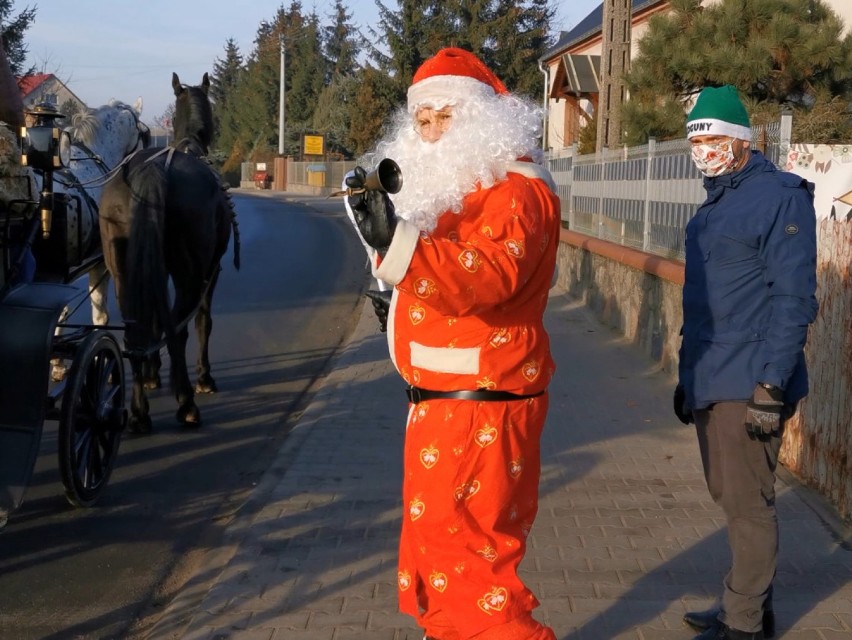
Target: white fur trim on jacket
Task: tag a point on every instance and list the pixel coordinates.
(395, 263)
(445, 359)
(533, 170)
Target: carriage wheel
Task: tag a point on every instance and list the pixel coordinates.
(92, 418)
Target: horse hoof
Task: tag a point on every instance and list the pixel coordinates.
(189, 416)
(153, 383)
(206, 385)
(139, 425)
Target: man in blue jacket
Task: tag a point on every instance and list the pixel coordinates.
(748, 299)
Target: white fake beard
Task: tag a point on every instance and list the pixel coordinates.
(484, 139)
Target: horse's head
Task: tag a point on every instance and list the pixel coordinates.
(193, 115)
(111, 131)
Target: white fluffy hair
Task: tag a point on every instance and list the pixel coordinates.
(487, 134)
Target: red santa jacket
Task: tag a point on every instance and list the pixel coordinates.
(469, 297)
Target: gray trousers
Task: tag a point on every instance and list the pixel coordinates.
(740, 474)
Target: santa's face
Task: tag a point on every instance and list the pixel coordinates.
(451, 148)
(430, 124)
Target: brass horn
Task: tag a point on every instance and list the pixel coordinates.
(386, 177)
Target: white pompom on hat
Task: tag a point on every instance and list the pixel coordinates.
(449, 76)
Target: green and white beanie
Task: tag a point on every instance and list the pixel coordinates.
(718, 112)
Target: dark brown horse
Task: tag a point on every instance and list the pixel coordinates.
(166, 219)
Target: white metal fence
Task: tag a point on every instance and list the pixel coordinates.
(643, 196)
(640, 197)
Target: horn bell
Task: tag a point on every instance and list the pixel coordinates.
(386, 177)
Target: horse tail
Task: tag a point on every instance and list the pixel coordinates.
(235, 227)
(148, 285)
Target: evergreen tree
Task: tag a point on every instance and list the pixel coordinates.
(403, 32)
(306, 75)
(521, 35)
(69, 108)
(509, 35)
(376, 97)
(776, 52)
(332, 115)
(256, 112)
(224, 82)
(341, 44)
(14, 28)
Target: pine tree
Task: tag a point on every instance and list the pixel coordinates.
(376, 97)
(776, 52)
(509, 35)
(256, 112)
(14, 28)
(403, 31)
(341, 44)
(224, 82)
(306, 75)
(332, 115)
(520, 36)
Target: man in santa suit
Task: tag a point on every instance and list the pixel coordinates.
(469, 244)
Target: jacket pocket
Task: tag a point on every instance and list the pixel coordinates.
(731, 336)
(728, 364)
(734, 249)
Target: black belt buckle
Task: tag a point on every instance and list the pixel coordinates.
(413, 394)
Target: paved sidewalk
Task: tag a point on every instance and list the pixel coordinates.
(626, 541)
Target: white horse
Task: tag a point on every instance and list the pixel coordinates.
(101, 139)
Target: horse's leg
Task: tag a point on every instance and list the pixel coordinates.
(140, 418)
(58, 366)
(204, 326)
(187, 413)
(98, 283)
(151, 369)
(151, 372)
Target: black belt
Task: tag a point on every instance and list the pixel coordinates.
(417, 395)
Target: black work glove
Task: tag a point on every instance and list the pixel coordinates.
(381, 306)
(374, 212)
(683, 414)
(763, 415)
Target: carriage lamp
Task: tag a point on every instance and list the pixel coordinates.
(45, 147)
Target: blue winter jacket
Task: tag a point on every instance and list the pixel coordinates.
(750, 279)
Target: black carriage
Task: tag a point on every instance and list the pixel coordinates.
(62, 236)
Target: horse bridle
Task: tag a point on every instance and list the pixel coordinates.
(143, 136)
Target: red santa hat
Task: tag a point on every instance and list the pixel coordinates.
(450, 75)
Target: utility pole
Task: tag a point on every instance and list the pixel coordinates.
(615, 62)
(279, 174)
(281, 99)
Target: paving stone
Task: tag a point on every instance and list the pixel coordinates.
(627, 538)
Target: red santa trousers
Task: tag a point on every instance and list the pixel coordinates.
(470, 495)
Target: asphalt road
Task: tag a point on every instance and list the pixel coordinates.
(105, 572)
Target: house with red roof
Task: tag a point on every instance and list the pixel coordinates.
(46, 87)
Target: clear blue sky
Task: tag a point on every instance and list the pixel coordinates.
(123, 49)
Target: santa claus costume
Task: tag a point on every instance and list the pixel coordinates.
(471, 262)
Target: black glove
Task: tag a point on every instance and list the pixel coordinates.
(683, 414)
(763, 415)
(381, 305)
(374, 212)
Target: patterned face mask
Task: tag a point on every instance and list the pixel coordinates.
(714, 158)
